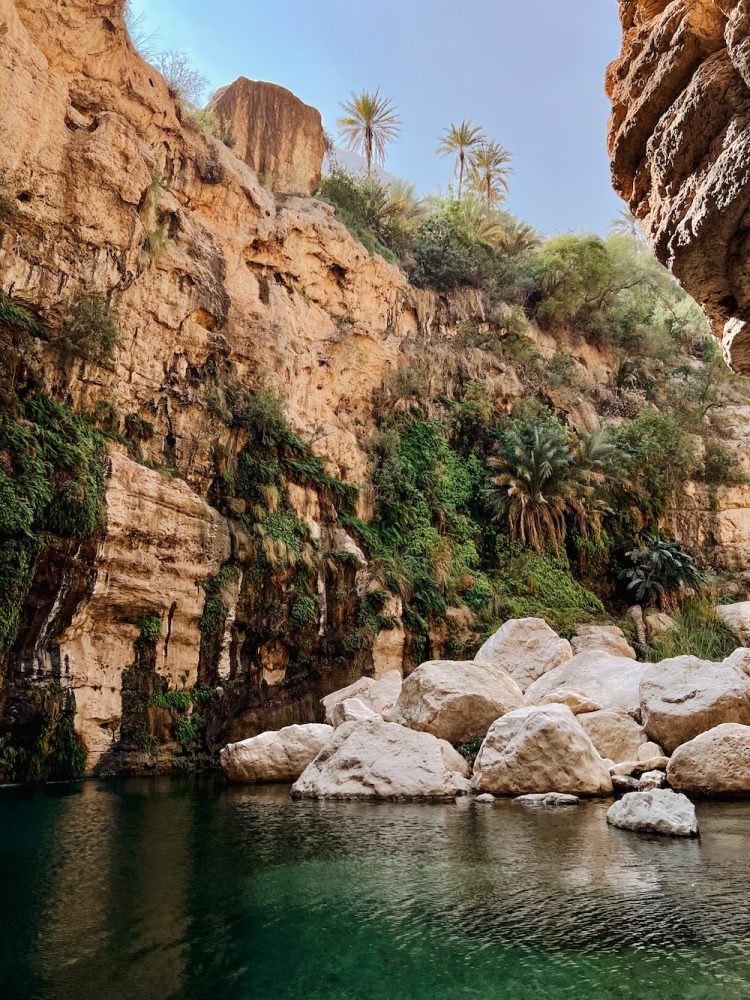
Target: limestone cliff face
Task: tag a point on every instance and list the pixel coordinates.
(220, 286)
(679, 139)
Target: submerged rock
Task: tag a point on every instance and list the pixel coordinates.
(274, 756)
(614, 734)
(714, 763)
(553, 799)
(659, 811)
(455, 701)
(684, 696)
(540, 749)
(379, 696)
(382, 760)
(485, 799)
(524, 648)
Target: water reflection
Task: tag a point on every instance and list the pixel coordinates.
(192, 890)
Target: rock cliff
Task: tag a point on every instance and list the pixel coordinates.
(222, 589)
(679, 138)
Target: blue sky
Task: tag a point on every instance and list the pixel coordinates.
(532, 73)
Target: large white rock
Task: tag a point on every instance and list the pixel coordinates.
(714, 763)
(540, 749)
(456, 701)
(612, 681)
(380, 696)
(603, 639)
(614, 734)
(382, 760)
(685, 696)
(658, 811)
(274, 756)
(524, 648)
(351, 710)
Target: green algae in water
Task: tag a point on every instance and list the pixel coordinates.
(191, 889)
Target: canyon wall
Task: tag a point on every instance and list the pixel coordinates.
(223, 282)
(679, 139)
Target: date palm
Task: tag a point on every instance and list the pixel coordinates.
(489, 171)
(370, 122)
(459, 141)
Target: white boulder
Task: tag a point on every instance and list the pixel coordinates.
(738, 617)
(456, 701)
(524, 648)
(382, 760)
(603, 639)
(612, 681)
(614, 734)
(715, 763)
(658, 811)
(274, 756)
(684, 696)
(351, 710)
(549, 800)
(540, 749)
(380, 696)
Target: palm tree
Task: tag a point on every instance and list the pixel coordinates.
(489, 171)
(626, 224)
(515, 237)
(370, 123)
(459, 141)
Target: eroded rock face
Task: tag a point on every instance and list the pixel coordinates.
(275, 133)
(381, 760)
(525, 648)
(540, 749)
(679, 139)
(455, 701)
(685, 696)
(275, 757)
(611, 681)
(715, 763)
(655, 811)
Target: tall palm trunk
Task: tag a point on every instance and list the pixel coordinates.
(462, 164)
(368, 147)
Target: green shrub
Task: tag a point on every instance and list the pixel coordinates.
(447, 256)
(150, 630)
(699, 631)
(721, 466)
(91, 330)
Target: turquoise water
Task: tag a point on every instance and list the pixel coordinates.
(155, 889)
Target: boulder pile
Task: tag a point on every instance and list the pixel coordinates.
(540, 719)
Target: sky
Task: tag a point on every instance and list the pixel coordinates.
(530, 72)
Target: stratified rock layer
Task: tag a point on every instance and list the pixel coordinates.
(679, 140)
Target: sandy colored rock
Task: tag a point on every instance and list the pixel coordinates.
(603, 639)
(685, 696)
(658, 623)
(274, 757)
(650, 780)
(379, 696)
(738, 616)
(524, 648)
(351, 710)
(658, 811)
(635, 768)
(576, 701)
(715, 763)
(456, 701)
(612, 681)
(614, 734)
(648, 750)
(275, 133)
(540, 749)
(381, 760)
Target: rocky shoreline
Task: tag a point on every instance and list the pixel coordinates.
(551, 724)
